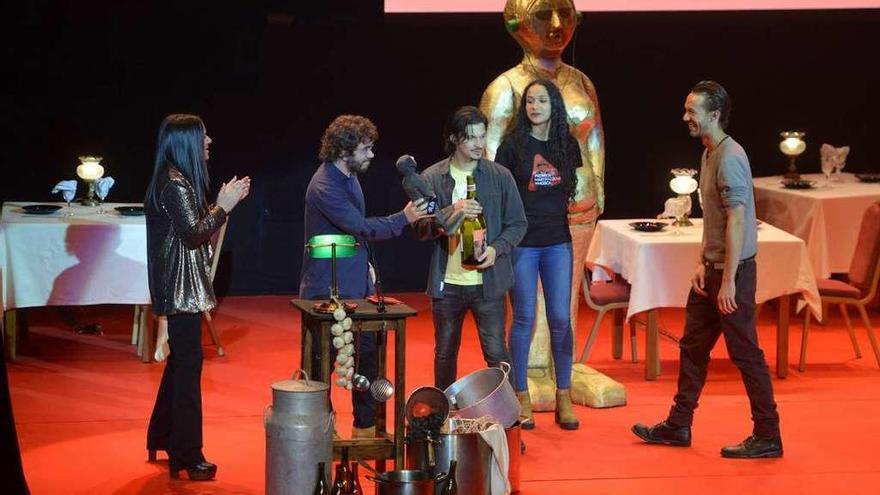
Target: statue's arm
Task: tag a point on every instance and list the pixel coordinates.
(498, 103)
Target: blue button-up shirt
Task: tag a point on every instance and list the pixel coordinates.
(335, 205)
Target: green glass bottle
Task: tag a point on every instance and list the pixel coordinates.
(451, 487)
(473, 233)
(321, 486)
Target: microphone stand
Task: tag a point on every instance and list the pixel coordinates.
(380, 295)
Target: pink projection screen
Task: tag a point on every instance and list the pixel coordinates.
(633, 5)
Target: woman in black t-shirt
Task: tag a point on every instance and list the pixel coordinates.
(543, 156)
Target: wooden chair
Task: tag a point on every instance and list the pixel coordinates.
(603, 297)
(142, 331)
(861, 287)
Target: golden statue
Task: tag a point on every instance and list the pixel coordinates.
(543, 28)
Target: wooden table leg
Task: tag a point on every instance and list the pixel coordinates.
(400, 390)
(10, 339)
(146, 321)
(782, 336)
(617, 316)
(652, 347)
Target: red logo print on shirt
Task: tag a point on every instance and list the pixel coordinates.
(544, 174)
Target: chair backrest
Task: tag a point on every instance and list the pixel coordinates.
(218, 245)
(864, 268)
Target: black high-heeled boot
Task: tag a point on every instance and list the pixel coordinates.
(203, 471)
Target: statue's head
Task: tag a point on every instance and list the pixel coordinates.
(542, 27)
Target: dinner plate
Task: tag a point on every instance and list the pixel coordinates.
(868, 177)
(40, 209)
(130, 211)
(798, 184)
(648, 226)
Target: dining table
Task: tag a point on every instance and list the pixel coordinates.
(55, 254)
(826, 213)
(659, 267)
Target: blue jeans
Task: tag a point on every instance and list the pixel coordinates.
(553, 264)
(449, 312)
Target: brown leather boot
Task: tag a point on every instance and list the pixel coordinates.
(527, 422)
(564, 411)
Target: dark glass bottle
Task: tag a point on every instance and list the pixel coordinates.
(451, 486)
(341, 486)
(321, 486)
(355, 481)
(473, 233)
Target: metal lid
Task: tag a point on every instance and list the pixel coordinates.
(295, 385)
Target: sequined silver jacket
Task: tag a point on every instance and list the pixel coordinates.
(179, 248)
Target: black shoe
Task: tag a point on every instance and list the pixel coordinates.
(203, 471)
(754, 448)
(664, 434)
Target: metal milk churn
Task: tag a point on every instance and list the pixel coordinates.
(299, 434)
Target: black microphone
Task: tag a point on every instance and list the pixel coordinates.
(415, 186)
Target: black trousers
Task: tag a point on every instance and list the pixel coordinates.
(704, 324)
(176, 423)
(449, 312)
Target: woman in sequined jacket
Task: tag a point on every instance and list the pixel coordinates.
(180, 223)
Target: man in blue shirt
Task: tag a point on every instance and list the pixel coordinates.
(334, 204)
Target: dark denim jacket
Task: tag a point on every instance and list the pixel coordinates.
(502, 210)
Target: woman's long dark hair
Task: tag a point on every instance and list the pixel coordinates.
(564, 150)
(181, 144)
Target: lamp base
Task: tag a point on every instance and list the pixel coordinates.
(683, 222)
(89, 201)
(792, 175)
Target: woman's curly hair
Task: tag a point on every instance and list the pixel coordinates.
(564, 150)
(344, 134)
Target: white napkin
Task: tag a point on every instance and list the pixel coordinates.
(495, 437)
(102, 187)
(67, 188)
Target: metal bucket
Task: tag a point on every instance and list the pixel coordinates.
(299, 434)
(485, 392)
(406, 482)
(472, 453)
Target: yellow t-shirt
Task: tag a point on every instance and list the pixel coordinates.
(455, 273)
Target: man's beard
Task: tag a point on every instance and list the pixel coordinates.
(357, 167)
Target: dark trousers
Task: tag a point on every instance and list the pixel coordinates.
(176, 423)
(705, 323)
(449, 311)
(366, 363)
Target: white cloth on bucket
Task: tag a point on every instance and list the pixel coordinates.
(67, 188)
(102, 187)
(496, 438)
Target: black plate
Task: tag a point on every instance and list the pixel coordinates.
(868, 177)
(798, 184)
(648, 226)
(130, 211)
(40, 209)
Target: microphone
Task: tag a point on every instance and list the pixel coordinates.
(415, 186)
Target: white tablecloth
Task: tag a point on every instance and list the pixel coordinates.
(88, 258)
(826, 218)
(659, 265)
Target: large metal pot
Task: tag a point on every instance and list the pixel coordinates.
(485, 392)
(514, 454)
(474, 458)
(472, 453)
(406, 482)
(299, 434)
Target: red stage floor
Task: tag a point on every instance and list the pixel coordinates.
(82, 404)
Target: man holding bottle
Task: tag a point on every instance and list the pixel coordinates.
(474, 232)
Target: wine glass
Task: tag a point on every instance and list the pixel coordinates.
(68, 196)
(838, 170)
(101, 193)
(827, 169)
